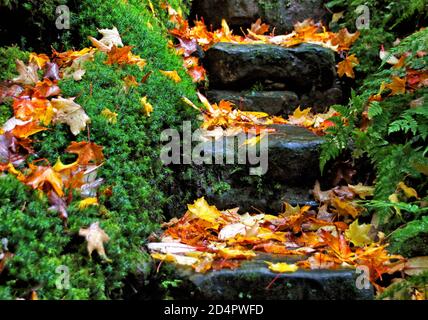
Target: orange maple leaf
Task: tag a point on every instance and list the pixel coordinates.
(87, 152)
(397, 86)
(346, 67)
(42, 176)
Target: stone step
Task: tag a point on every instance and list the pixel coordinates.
(254, 280)
(281, 14)
(292, 169)
(277, 102)
(301, 69)
(271, 102)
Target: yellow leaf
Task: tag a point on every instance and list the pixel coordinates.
(359, 234)
(337, 16)
(109, 115)
(361, 190)
(301, 118)
(172, 75)
(202, 210)
(344, 208)
(236, 253)
(175, 258)
(148, 108)
(59, 166)
(394, 199)
(282, 267)
(39, 59)
(83, 204)
(409, 192)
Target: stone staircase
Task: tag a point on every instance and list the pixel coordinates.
(275, 80)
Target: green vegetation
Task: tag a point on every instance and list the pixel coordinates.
(391, 133)
(132, 170)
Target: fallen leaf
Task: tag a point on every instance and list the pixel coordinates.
(42, 176)
(282, 267)
(397, 86)
(109, 115)
(408, 191)
(346, 67)
(111, 37)
(173, 75)
(200, 209)
(70, 113)
(85, 203)
(87, 152)
(27, 74)
(39, 59)
(361, 190)
(95, 237)
(358, 234)
(147, 107)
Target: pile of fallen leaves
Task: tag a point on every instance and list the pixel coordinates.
(190, 39)
(37, 104)
(330, 237)
(225, 119)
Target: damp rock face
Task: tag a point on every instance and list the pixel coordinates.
(271, 102)
(281, 14)
(300, 69)
(254, 280)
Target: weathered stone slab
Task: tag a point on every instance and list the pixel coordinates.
(253, 280)
(301, 69)
(271, 102)
(281, 14)
(292, 155)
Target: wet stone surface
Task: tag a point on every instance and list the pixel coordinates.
(254, 280)
(303, 69)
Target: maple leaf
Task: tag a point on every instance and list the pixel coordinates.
(39, 59)
(27, 129)
(344, 39)
(147, 107)
(70, 113)
(202, 210)
(87, 152)
(358, 234)
(45, 89)
(259, 28)
(118, 55)
(321, 196)
(397, 86)
(83, 204)
(282, 267)
(301, 118)
(345, 207)
(95, 237)
(42, 176)
(76, 70)
(111, 37)
(109, 115)
(27, 74)
(173, 75)
(33, 110)
(346, 67)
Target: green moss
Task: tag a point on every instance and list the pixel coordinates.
(132, 168)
